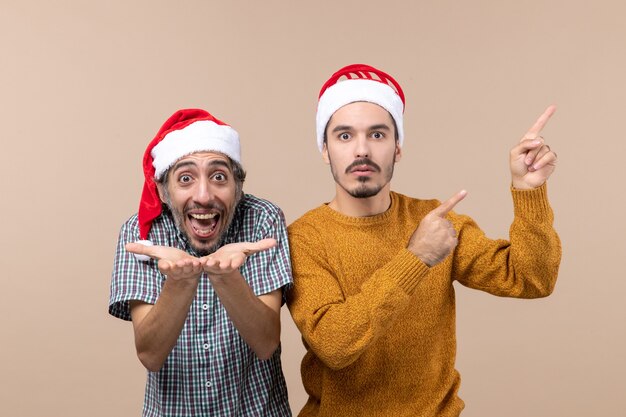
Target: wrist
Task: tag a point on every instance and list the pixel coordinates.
(182, 282)
(520, 184)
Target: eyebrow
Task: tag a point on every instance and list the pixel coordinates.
(381, 126)
(212, 164)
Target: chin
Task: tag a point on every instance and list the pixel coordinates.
(365, 192)
(204, 249)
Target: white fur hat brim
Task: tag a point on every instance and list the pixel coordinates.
(351, 91)
(200, 136)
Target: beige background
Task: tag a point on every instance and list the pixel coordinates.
(85, 85)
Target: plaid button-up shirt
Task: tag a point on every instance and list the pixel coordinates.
(211, 371)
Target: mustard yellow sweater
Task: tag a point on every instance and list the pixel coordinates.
(379, 325)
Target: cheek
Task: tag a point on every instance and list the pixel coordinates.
(228, 195)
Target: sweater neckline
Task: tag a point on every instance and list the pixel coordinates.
(367, 220)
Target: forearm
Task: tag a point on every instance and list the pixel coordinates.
(339, 328)
(535, 245)
(158, 327)
(256, 318)
(526, 266)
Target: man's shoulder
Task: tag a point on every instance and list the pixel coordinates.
(259, 205)
(413, 203)
(255, 217)
(132, 221)
(161, 230)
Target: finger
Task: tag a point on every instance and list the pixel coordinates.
(212, 262)
(143, 249)
(541, 122)
(188, 264)
(531, 155)
(545, 158)
(166, 266)
(259, 246)
(524, 147)
(138, 248)
(533, 165)
(448, 205)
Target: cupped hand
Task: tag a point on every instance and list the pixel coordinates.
(175, 263)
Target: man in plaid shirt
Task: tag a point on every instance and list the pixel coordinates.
(200, 270)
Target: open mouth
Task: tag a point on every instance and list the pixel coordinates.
(204, 224)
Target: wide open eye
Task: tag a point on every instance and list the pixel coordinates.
(378, 135)
(344, 136)
(184, 179)
(220, 176)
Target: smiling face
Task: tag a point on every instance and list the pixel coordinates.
(361, 149)
(201, 192)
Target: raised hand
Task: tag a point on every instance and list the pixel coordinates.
(175, 263)
(532, 161)
(229, 258)
(435, 236)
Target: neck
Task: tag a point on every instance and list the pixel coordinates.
(350, 206)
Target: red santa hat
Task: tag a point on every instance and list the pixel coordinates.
(185, 132)
(359, 82)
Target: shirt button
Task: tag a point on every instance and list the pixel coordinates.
(206, 346)
(205, 306)
(208, 384)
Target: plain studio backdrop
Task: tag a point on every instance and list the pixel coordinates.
(84, 86)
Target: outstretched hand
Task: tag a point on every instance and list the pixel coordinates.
(178, 264)
(532, 161)
(435, 237)
(229, 258)
(175, 263)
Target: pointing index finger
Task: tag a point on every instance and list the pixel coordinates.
(541, 122)
(449, 204)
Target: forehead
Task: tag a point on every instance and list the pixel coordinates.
(360, 113)
(201, 160)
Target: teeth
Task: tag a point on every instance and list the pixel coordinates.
(203, 216)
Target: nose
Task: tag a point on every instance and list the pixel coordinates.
(203, 193)
(361, 149)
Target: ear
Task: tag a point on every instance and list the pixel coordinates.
(325, 153)
(398, 155)
(161, 192)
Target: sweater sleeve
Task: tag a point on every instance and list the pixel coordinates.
(526, 266)
(338, 328)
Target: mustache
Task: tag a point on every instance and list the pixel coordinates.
(213, 205)
(361, 162)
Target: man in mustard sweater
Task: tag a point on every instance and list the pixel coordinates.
(373, 270)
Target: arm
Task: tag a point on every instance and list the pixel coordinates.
(157, 327)
(527, 266)
(340, 327)
(257, 318)
(524, 267)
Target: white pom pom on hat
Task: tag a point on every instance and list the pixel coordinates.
(359, 82)
(140, 257)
